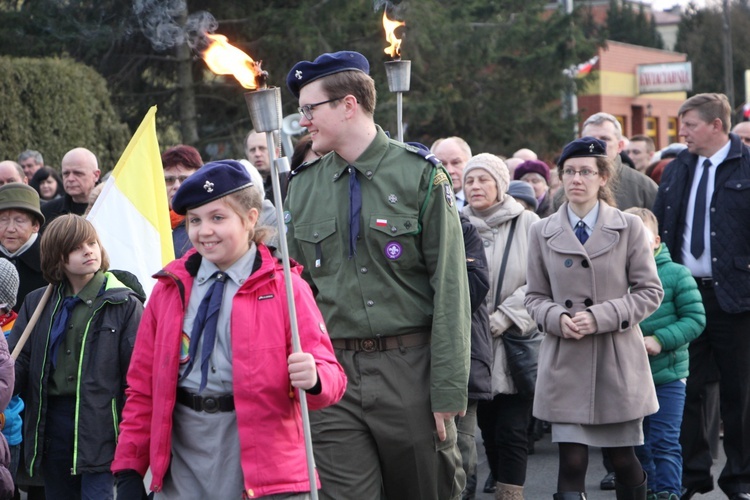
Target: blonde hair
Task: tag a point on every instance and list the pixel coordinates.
(647, 216)
(60, 238)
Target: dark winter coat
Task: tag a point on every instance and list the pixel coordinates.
(28, 265)
(100, 393)
(729, 212)
(480, 373)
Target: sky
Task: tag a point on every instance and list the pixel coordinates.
(665, 4)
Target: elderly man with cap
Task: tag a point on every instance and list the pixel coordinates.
(20, 220)
(375, 226)
(536, 174)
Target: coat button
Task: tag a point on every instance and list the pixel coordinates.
(370, 303)
(486, 243)
(568, 262)
(588, 302)
(368, 173)
(624, 325)
(71, 378)
(568, 304)
(585, 264)
(539, 327)
(363, 270)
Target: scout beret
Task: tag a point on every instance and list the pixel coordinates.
(212, 181)
(521, 190)
(21, 197)
(583, 147)
(532, 166)
(305, 72)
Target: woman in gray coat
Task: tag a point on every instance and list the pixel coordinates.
(590, 281)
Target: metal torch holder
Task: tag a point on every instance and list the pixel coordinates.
(399, 79)
(264, 106)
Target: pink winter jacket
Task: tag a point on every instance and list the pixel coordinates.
(268, 418)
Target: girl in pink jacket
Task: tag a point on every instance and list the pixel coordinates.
(211, 404)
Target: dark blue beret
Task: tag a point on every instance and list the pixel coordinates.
(583, 147)
(212, 181)
(305, 72)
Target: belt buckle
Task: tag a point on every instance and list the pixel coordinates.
(706, 282)
(368, 345)
(210, 404)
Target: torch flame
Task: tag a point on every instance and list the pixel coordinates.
(394, 49)
(226, 59)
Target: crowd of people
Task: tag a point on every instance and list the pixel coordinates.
(411, 267)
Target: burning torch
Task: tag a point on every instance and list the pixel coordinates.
(397, 71)
(264, 105)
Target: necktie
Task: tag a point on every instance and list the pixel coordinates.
(355, 208)
(59, 327)
(205, 325)
(581, 233)
(697, 245)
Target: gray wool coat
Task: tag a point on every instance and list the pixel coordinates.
(605, 377)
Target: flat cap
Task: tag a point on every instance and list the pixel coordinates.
(583, 147)
(212, 181)
(305, 72)
(18, 196)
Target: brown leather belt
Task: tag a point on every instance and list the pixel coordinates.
(209, 404)
(382, 343)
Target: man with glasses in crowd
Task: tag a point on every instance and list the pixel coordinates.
(374, 224)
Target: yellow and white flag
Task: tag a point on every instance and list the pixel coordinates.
(131, 214)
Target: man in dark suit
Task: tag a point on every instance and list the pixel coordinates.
(703, 207)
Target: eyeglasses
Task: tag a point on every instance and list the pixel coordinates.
(171, 179)
(584, 173)
(306, 110)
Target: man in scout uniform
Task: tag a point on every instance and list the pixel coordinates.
(374, 224)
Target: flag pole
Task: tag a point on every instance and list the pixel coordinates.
(265, 111)
(32, 323)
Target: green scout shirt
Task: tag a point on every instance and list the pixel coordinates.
(64, 377)
(404, 278)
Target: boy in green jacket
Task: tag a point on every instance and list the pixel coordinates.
(666, 335)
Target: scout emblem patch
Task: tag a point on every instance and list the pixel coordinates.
(448, 194)
(392, 198)
(440, 177)
(393, 250)
(287, 217)
(184, 348)
(209, 186)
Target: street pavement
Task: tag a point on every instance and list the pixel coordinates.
(541, 474)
